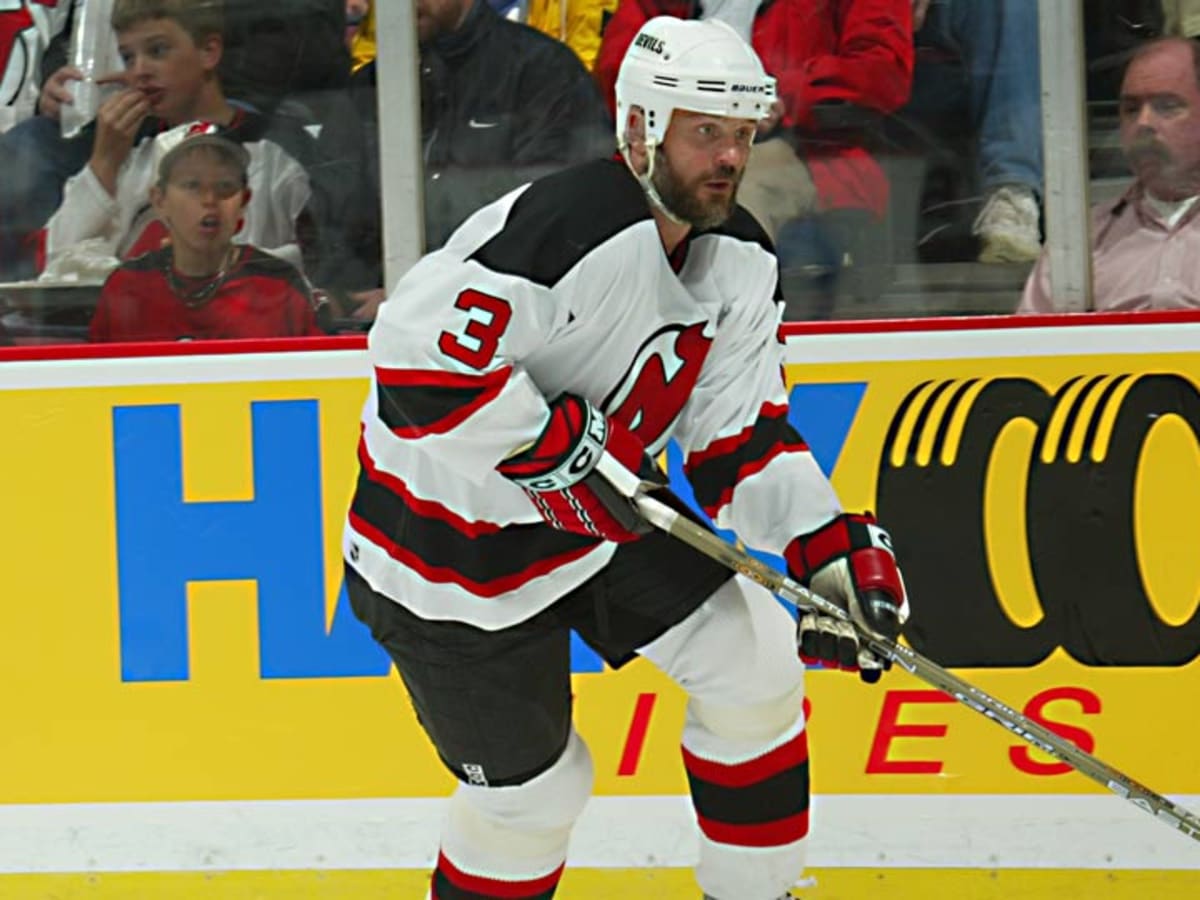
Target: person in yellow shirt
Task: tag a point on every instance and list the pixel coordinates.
(362, 45)
(577, 23)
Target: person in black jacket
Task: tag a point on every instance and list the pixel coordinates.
(501, 104)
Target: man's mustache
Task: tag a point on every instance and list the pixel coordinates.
(721, 173)
(1148, 150)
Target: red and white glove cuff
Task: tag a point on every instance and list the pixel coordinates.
(867, 549)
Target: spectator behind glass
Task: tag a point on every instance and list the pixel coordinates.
(287, 50)
(1181, 17)
(26, 29)
(200, 284)
(362, 43)
(839, 65)
(577, 23)
(171, 50)
(996, 42)
(356, 14)
(501, 104)
(1146, 246)
(267, 50)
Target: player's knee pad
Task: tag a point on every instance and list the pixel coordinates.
(550, 801)
(738, 649)
(753, 723)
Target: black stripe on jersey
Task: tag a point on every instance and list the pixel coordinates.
(780, 796)
(251, 263)
(561, 218)
(150, 261)
(742, 226)
(715, 470)
(413, 403)
(260, 264)
(487, 563)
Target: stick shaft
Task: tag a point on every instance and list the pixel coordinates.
(1034, 733)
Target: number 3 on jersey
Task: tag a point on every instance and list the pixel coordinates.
(482, 333)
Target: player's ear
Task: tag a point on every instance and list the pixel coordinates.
(635, 139)
(157, 194)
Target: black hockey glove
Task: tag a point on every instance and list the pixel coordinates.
(560, 472)
(848, 560)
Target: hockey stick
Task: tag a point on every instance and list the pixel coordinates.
(663, 517)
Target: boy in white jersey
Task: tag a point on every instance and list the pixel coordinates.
(596, 313)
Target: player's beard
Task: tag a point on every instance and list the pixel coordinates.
(684, 199)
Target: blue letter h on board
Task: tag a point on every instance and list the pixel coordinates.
(274, 539)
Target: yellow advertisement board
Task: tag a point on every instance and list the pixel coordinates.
(175, 629)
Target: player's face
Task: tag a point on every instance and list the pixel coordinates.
(699, 165)
(1160, 121)
(202, 203)
(165, 64)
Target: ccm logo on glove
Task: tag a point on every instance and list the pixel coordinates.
(560, 473)
(582, 458)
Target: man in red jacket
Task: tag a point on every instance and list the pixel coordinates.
(828, 58)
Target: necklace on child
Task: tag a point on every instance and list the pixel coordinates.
(196, 291)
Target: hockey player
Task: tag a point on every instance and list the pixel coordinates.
(595, 313)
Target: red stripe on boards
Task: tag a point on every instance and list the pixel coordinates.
(636, 738)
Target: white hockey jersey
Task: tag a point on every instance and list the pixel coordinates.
(564, 286)
(108, 226)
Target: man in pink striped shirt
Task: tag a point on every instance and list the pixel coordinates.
(1146, 245)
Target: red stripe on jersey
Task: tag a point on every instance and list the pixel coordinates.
(481, 886)
(766, 834)
(447, 575)
(429, 508)
(753, 467)
(481, 390)
(729, 445)
(438, 378)
(786, 756)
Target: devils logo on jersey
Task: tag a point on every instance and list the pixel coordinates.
(653, 390)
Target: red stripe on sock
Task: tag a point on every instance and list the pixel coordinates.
(766, 834)
(793, 753)
(494, 887)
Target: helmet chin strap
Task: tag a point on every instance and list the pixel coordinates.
(646, 179)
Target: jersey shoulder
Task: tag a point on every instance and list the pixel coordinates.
(155, 260)
(561, 218)
(257, 263)
(742, 226)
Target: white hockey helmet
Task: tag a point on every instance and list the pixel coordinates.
(699, 65)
